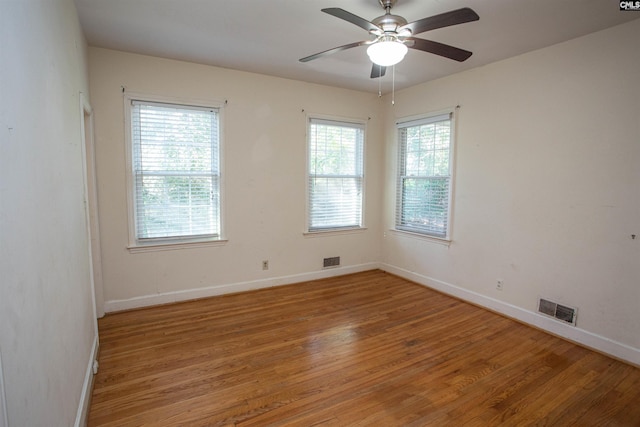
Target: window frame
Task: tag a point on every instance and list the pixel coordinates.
(337, 121)
(136, 244)
(420, 120)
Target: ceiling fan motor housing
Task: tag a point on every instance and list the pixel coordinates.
(389, 23)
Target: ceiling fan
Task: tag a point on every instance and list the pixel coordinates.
(393, 35)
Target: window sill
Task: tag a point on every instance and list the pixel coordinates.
(334, 232)
(171, 246)
(438, 240)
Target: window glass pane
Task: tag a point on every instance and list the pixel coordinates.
(174, 139)
(427, 152)
(425, 204)
(335, 202)
(334, 150)
(176, 206)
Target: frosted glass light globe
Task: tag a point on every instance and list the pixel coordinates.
(387, 53)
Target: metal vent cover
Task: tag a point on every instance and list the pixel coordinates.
(547, 307)
(331, 262)
(557, 311)
(566, 314)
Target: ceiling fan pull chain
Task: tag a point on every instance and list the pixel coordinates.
(393, 86)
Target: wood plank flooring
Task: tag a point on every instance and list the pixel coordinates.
(368, 349)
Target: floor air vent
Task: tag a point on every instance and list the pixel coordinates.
(557, 311)
(331, 262)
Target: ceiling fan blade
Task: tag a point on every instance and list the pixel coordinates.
(334, 50)
(350, 17)
(439, 49)
(378, 71)
(458, 16)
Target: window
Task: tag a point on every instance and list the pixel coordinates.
(424, 175)
(175, 172)
(335, 174)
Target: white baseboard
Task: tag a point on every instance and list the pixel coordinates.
(4, 420)
(87, 387)
(190, 294)
(588, 339)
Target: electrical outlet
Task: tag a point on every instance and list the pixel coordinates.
(500, 285)
(265, 264)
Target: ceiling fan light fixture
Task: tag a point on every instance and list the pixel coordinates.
(387, 52)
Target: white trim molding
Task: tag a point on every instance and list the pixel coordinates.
(579, 336)
(87, 386)
(210, 291)
(4, 417)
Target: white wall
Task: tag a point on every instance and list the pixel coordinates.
(264, 171)
(46, 310)
(547, 190)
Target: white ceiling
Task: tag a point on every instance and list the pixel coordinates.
(269, 37)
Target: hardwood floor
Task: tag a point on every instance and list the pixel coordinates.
(364, 349)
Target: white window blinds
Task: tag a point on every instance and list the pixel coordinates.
(424, 176)
(176, 171)
(335, 174)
